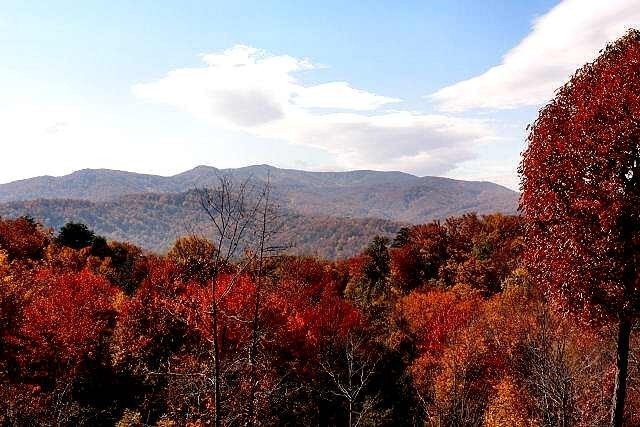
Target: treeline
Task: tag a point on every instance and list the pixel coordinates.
(439, 326)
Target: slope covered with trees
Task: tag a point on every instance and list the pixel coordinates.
(394, 196)
(331, 214)
(154, 221)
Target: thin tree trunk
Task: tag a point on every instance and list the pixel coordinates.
(216, 362)
(624, 326)
(622, 362)
(253, 377)
(255, 331)
(232, 214)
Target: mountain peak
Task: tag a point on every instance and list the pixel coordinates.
(198, 170)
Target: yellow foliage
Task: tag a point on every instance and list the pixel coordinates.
(130, 418)
(460, 370)
(4, 262)
(507, 408)
(66, 258)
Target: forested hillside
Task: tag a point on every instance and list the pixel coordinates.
(155, 221)
(394, 196)
(331, 214)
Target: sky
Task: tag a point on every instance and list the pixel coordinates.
(441, 88)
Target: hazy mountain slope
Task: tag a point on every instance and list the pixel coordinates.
(417, 201)
(154, 221)
(105, 184)
(364, 194)
(86, 184)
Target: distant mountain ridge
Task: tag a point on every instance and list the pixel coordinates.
(151, 210)
(106, 184)
(396, 196)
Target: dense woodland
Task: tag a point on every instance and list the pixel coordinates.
(489, 320)
(441, 325)
(155, 221)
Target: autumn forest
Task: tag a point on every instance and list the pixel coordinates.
(473, 320)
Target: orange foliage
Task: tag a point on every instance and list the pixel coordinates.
(508, 406)
(23, 238)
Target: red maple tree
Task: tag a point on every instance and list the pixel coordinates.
(581, 196)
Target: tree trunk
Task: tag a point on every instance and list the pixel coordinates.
(255, 330)
(216, 363)
(622, 362)
(253, 375)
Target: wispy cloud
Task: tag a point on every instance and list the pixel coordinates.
(569, 35)
(250, 90)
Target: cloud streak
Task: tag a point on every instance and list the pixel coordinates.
(252, 91)
(569, 35)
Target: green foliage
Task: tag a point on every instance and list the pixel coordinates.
(100, 247)
(370, 289)
(401, 238)
(377, 267)
(75, 235)
(127, 266)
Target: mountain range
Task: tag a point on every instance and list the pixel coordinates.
(331, 214)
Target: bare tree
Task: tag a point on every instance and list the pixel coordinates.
(232, 213)
(552, 382)
(566, 384)
(245, 220)
(350, 370)
(268, 226)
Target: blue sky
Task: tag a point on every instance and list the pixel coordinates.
(443, 88)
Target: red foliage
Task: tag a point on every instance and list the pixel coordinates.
(310, 308)
(581, 196)
(436, 316)
(581, 185)
(23, 238)
(170, 314)
(62, 322)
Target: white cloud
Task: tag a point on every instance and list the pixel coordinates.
(562, 40)
(239, 87)
(246, 89)
(340, 95)
(244, 86)
(407, 141)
